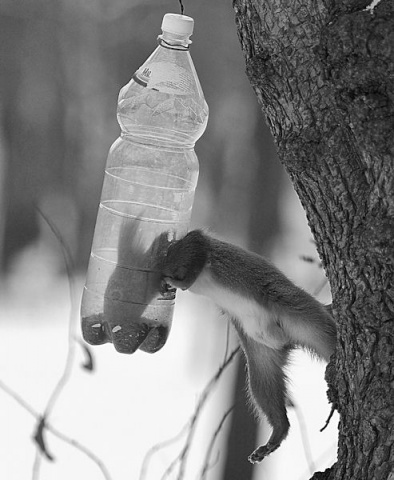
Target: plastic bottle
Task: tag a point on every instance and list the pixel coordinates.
(147, 196)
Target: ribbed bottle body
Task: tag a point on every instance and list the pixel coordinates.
(147, 196)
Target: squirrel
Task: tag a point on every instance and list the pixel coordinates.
(269, 312)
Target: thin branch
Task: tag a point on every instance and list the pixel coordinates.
(314, 260)
(68, 262)
(39, 436)
(159, 446)
(18, 399)
(71, 441)
(320, 287)
(36, 464)
(40, 440)
(207, 465)
(325, 455)
(89, 363)
(309, 259)
(204, 397)
(333, 408)
(214, 463)
(305, 439)
(227, 339)
(182, 457)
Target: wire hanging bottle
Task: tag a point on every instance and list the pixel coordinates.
(150, 179)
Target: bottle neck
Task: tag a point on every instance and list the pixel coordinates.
(174, 41)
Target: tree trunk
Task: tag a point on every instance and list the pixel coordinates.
(323, 73)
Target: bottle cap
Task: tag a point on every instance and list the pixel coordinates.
(178, 24)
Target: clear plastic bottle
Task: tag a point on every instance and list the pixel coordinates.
(147, 196)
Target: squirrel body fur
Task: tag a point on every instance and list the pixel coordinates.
(269, 312)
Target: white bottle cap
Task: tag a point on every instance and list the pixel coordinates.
(178, 24)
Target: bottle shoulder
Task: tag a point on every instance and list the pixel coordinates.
(164, 100)
(167, 71)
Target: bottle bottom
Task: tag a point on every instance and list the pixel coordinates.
(127, 338)
(128, 326)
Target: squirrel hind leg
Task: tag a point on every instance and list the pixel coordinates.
(267, 389)
(277, 418)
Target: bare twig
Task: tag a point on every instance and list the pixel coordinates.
(319, 461)
(159, 446)
(68, 262)
(214, 463)
(333, 408)
(207, 463)
(71, 441)
(305, 439)
(64, 378)
(227, 340)
(308, 259)
(40, 440)
(37, 464)
(314, 260)
(89, 363)
(183, 455)
(320, 287)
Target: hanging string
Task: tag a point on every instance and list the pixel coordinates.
(182, 7)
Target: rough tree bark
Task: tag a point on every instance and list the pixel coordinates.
(323, 72)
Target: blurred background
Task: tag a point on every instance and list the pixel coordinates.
(62, 64)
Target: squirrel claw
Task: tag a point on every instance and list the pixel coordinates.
(166, 289)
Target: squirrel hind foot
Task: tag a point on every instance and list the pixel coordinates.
(261, 452)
